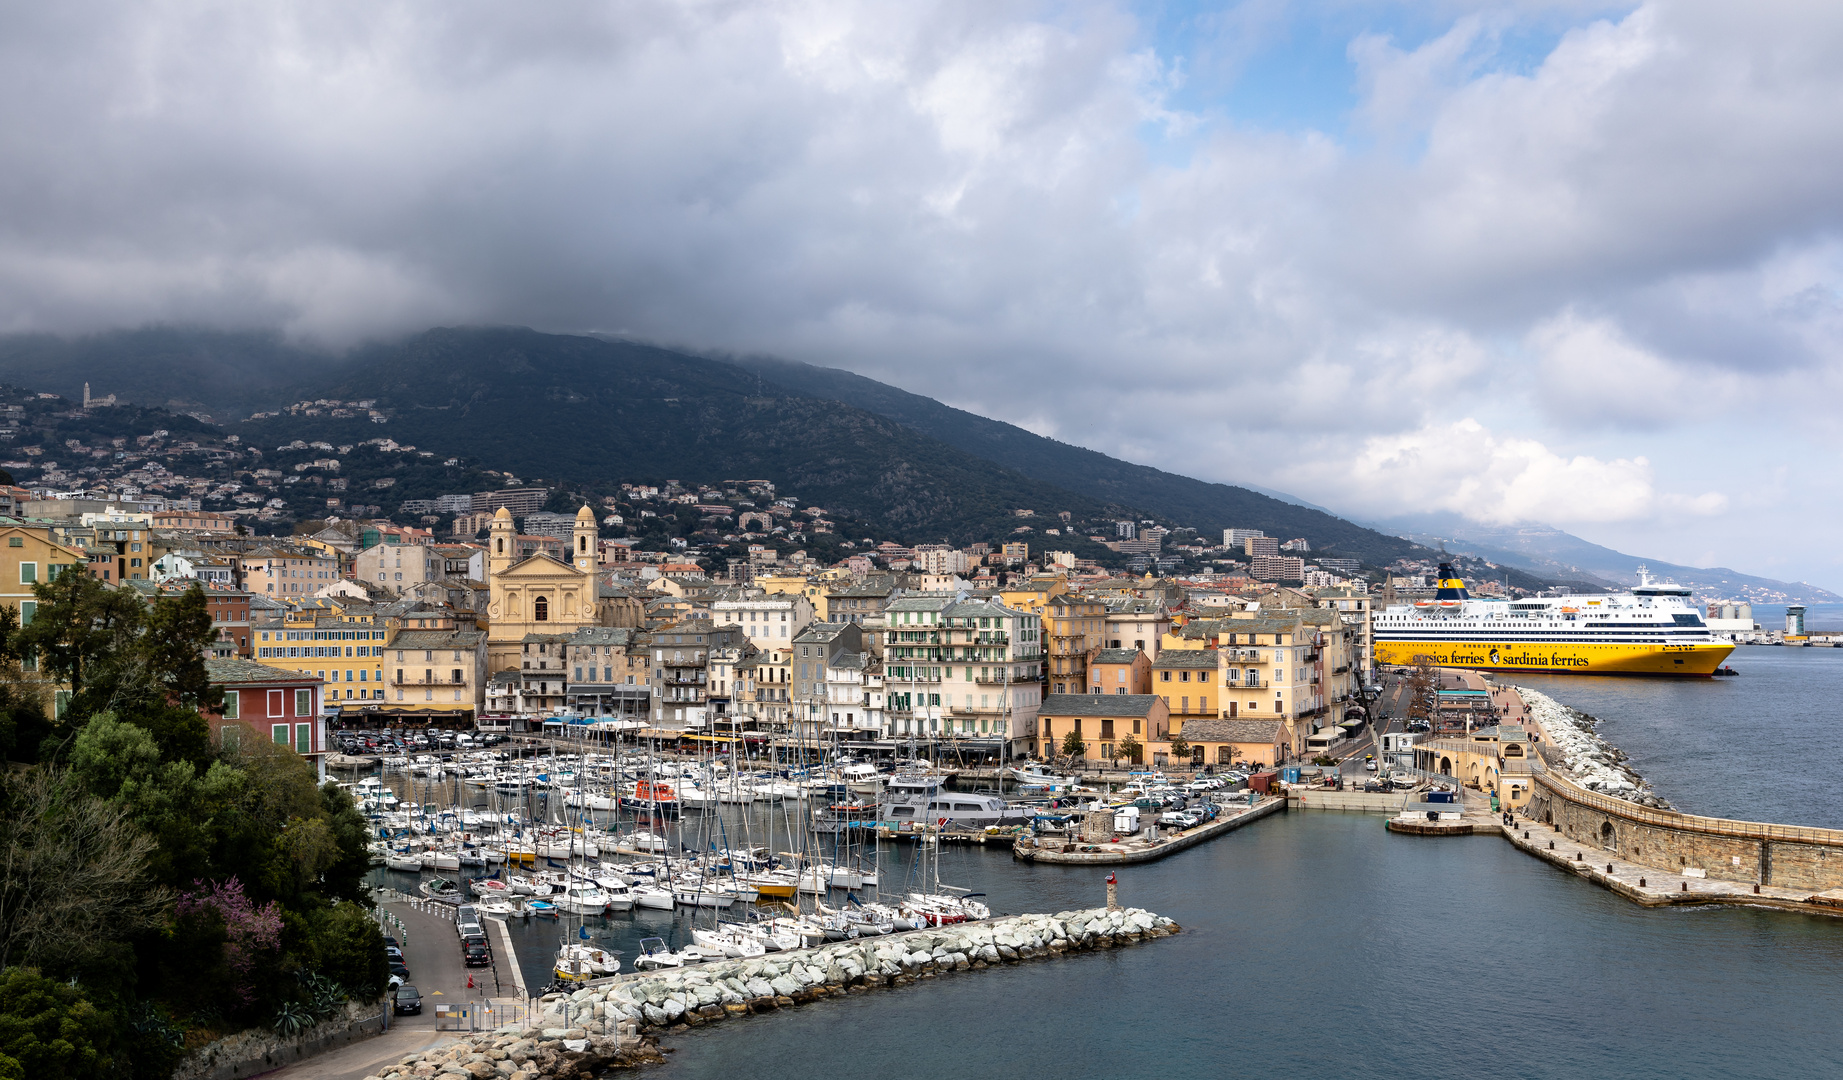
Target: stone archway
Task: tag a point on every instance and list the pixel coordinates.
(1609, 837)
(1446, 766)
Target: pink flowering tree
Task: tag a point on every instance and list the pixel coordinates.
(250, 931)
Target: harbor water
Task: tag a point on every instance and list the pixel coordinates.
(1762, 746)
(1318, 945)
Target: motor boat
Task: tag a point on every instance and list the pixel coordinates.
(729, 941)
(577, 962)
(581, 899)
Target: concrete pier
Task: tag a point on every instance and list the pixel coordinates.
(1136, 850)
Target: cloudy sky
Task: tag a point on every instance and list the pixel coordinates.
(1559, 262)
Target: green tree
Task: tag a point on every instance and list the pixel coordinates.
(73, 872)
(79, 623)
(143, 660)
(1129, 749)
(1073, 747)
(349, 950)
(50, 1031)
(1180, 750)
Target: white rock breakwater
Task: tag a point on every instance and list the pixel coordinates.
(1587, 759)
(571, 1036)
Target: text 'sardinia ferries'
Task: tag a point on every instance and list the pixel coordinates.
(1651, 630)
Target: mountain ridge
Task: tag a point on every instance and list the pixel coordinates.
(1551, 552)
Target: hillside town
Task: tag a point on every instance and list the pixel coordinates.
(540, 620)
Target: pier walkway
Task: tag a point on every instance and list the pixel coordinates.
(1653, 887)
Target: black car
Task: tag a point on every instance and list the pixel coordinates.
(474, 953)
(406, 1000)
(398, 969)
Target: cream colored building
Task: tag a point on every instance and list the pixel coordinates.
(769, 621)
(538, 593)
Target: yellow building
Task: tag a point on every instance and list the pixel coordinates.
(1073, 626)
(538, 593)
(345, 649)
(798, 585)
(1034, 595)
(30, 556)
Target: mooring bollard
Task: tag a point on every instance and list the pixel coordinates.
(1609, 868)
(1551, 845)
(1686, 886)
(1756, 890)
(1641, 883)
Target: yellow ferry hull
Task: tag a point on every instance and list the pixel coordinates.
(1556, 658)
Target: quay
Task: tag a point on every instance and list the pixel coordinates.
(1092, 851)
(1650, 855)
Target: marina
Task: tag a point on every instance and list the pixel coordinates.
(991, 860)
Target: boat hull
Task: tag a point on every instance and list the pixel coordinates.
(1560, 657)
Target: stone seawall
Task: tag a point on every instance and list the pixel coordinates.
(1782, 856)
(572, 1034)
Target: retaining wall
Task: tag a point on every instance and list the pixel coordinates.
(1785, 856)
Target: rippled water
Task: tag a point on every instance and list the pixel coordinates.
(1318, 945)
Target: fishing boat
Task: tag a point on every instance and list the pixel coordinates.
(442, 889)
(653, 797)
(578, 962)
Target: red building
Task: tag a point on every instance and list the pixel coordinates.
(262, 702)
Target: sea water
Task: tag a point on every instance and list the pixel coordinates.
(1319, 945)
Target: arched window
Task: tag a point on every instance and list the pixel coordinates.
(540, 609)
(501, 541)
(582, 543)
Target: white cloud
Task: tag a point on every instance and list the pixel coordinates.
(1463, 467)
(976, 201)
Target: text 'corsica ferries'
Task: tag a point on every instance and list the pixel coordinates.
(1652, 630)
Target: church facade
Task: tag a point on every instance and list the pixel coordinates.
(538, 593)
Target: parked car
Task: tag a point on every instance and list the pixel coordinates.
(474, 952)
(407, 999)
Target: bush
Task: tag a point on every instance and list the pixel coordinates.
(349, 950)
(50, 1031)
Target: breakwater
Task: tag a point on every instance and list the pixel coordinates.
(613, 1023)
(1597, 806)
(1572, 747)
(706, 992)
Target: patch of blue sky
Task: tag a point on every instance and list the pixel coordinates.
(1287, 66)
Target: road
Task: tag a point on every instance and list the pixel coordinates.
(432, 952)
(1390, 707)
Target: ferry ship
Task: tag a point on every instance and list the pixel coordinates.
(1652, 630)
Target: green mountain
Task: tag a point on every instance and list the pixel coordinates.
(585, 411)
(1208, 507)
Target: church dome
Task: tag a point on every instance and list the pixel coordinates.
(502, 514)
(585, 514)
